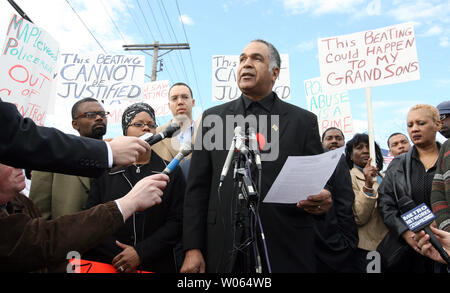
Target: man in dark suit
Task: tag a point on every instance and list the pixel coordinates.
(25, 145)
(211, 233)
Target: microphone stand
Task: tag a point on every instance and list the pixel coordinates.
(249, 195)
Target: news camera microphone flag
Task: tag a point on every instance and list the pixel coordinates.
(167, 132)
(185, 150)
(419, 218)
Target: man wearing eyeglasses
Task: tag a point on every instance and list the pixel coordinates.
(180, 103)
(444, 112)
(59, 194)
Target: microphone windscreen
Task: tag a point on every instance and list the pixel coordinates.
(261, 141)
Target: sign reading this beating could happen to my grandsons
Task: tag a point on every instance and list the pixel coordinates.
(371, 58)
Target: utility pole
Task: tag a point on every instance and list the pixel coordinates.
(156, 47)
(19, 10)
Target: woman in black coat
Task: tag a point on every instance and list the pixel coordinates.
(409, 176)
(148, 239)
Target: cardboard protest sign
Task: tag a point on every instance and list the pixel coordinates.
(28, 68)
(332, 110)
(156, 94)
(224, 78)
(371, 58)
(100, 76)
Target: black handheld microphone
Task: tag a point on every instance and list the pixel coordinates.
(167, 132)
(419, 218)
(185, 150)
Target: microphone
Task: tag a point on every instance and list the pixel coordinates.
(167, 132)
(240, 141)
(229, 158)
(254, 146)
(419, 218)
(185, 150)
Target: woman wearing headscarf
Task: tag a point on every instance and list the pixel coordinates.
(148, 239)
(410, 175)
(365, 181)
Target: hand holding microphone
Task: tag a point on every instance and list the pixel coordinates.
(427, 249)
(419, 218)
(167, 132)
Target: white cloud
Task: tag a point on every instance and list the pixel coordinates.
(444, 42)
(320, 7)
(67, 28)
(421, 10)
(443, 82)
(186, 19)
(433, 31)
(305, 46)
(374, 7)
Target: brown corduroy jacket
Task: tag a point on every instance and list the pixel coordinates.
(29, 242)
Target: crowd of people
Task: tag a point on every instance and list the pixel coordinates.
(106, 199)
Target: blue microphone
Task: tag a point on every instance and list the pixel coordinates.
(185, 150)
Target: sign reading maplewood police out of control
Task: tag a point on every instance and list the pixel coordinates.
(371, 58)
(28, 66)
(419, 217)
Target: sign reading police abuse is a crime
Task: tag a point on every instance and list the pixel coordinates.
(224, 78)
(370, 58)
(331, 109)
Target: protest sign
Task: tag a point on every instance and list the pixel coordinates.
(100, 76)
(370, 58)
(224, 78)
(156, 94)
(28, 68)
(332, 110)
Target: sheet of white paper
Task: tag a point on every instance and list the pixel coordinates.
(303, 176)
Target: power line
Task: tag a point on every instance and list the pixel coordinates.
(190, 53)
(145, 19)
(161, 4)
(113, 22)
(67, 1)
(162, 39)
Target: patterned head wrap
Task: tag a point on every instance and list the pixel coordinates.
(132, 111)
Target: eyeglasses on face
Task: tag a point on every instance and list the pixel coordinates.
(141, 125)
(443, 116)
(93, 115)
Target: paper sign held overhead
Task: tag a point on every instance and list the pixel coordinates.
(370, 58)
(332, 110)
(224, 78)
(100, 76)
(28, 68)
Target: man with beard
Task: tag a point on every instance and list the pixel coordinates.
(332, 139)
(444, 113)
(59, 194)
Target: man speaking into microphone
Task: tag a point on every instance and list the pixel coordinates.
(209, 232)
